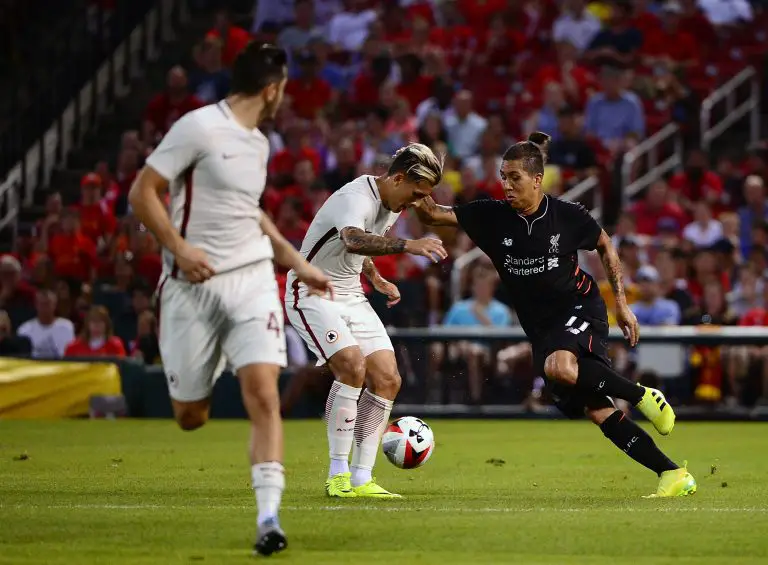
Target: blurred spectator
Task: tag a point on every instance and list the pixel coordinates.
(546, 117)
(667, 45)
(618, 42)
(345, 169)
(570, 150)
(127, 311)
(97, 221)
(12, 345)
(310, 94)
(297, 148)
(271, 16)
(432, 130)
(440, 102)
(615, 115)
(73, 254)
(50, 224)
(706, 271)
(297, 36)
(146, 347)
(168, 106)
(673, 287)
(464, 127)
(233, 38)
(17, 297)
(575, 25)
(651, 308)
(402, 122)
(49, 335)
(348, 29)
(210, 80)
(368, 82)
(96, 338)
(747, 293)
(70, 304)
(488, 157)
(656, 208)
(335, 74)
(577, 81)
(696, 182)
(290, 223)
(413, 86)
(727, 13)
(755, 209)
(704, 231)
(377, 140)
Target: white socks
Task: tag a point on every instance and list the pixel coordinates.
(372, 417)
(268, 480)
(341, 416)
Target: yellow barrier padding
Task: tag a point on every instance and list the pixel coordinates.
(53, 389)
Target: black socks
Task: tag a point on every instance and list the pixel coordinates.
(632, 440)
(597, 377)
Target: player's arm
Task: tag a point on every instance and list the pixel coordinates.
(287, 256)
(433, 214)
(357, 241)
(612, 265)
(381, 284)
(179, 150)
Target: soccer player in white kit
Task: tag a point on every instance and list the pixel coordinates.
(218, 298)
(346, 334)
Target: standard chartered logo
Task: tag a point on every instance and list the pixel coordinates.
(525, 266)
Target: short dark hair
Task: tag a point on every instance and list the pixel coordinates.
(418, 163)
(532, 152)
(256, 67)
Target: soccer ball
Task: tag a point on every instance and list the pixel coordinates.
(408, 442)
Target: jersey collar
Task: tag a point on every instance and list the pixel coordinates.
(530, 220)
(373, 186)
(226, 109)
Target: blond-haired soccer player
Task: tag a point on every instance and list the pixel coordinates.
(218, 297)
(346, 334)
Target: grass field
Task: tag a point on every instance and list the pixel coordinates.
(144, 493)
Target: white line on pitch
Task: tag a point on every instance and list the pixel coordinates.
(382, 508)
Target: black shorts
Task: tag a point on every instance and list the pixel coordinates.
(582, 331)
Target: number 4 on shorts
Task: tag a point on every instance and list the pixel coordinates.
(573, 326)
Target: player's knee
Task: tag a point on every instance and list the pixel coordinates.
(349, 367)
(561, 366)
(599, 415)
(189, 420)
(387, 384)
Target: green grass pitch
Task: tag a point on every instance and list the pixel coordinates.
(145, 493)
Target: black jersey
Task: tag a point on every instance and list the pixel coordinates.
(536, 257)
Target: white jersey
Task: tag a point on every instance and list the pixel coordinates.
(356, 205)
(217, 170)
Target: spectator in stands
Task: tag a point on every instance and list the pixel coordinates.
(704, 230)
(705, 271)
(97, 221)
(727, 13)
(439, 103)
(377, 141)
(51, 222)
(651, 308)
(272, 16)
(671, 286)
(310, 94)
(615, 115)
(480, 310)
(367, 84)
(68, 301)
(488, 156)
(655, 208)
(696, 182)
(414, 86)
(402, 122)
(233, 38)
(667, 45)
(755, 209)
(126, 312)
(432, 131)
(146, 347)
(576, 25)
(297, 36)
(464, 127)
(290, 223)
(577, 81)
(209, 82)
(619, 42)
(148, 263)
(747, 293)
(349, 29)
(73, 254)
(748, 365)
(168, 106)
(17, 297)
(298, 147)
(545, 118)
(49, 334)
(12, 345)
(570, 150)
(334, 73)
(345, 167)
(96, 339)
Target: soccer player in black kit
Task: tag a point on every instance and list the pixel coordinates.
(533, 240)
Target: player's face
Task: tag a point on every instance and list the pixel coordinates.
(407, 192)
(274, 97)
(520, 187)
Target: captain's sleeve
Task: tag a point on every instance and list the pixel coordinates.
(180, 149)
(584, 229)
(477, 218)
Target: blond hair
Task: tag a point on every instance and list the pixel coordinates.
(418, 163)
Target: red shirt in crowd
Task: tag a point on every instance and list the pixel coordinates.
(583, 78)
(709, 183)
(112, 347)
(73, 255)
(648, 219)
(284, 162)
(478, 13)
(308, 97)
(96, 220)
(162, 112)
(150, 267)
(417, 91)
(678, 45)
(235, 41)
(755, 317)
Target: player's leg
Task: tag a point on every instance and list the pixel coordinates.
(382, 380)
(319, 322)
(190, 351)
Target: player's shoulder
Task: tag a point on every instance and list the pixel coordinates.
(210, 116)
(567, 207)
(486, 205)
(362, 186)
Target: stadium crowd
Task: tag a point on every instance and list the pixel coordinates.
(465, 77)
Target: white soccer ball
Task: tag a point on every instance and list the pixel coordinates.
(408, 442)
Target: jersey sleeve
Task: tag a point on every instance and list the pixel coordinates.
(477, 218)
(585, 231)
(180, 148)
(351, 211)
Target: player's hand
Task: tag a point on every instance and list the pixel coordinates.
(429, 247)
(194, 263)
(318, 282)
(388, 289)
(628, 324)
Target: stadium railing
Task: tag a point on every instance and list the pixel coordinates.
(88, 75)
(746, 82)
(577, 193)
(652, 158)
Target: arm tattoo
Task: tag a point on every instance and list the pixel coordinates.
(612, 266)
(361, 243)
(369, 269)
(433, 214)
